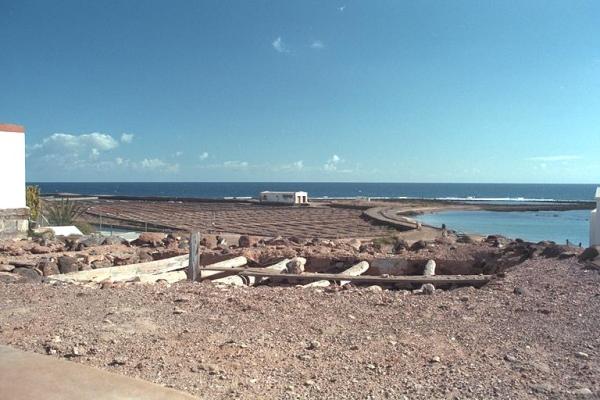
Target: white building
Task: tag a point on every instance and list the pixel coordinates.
(14, 213)
(284, 197)
(595, 222)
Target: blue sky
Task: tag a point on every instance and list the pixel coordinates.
(384, 91)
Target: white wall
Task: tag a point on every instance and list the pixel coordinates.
(12, 169)
(595, 223)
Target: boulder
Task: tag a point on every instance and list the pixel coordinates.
(467, 239)
(48, 267)
(247, 241)
(295, 239)
(167, 253)
(90, 241)
(144, 255)
(296, 265)
(101, 264)
(277, 241)
(38, 249)
(67, 264)
(124, 258)
(418, 245)
(28, 274)
(113, 240)
(152, 239)
(552, 251)
(355, 244)
(590, 253)
(400, 246)
(208, 241)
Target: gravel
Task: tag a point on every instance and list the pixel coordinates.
(276, 342)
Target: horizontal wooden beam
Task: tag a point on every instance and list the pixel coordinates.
(444, 280)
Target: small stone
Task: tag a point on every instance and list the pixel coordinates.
(520, 291)
(435, 359)
(178, 311)
(371, 366)
(581, 354)
(313, 345)
(309, 382)
(428, 288)
(375, 288)
(6, 267)
(510, 358)
(119, 360)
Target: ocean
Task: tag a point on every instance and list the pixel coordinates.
(533, 226)
(450, 191)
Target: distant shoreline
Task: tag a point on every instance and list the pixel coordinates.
(409, 206)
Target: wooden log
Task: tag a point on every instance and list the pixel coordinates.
(234, 280)
(317, 284)
(429, 268)
(281, 266)
(124, 272)
(209, 271)
(447, 280)
(169, 277)
(194, 257)
(144, 271)
(355, 270)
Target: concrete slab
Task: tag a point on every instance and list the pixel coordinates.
(25, 376)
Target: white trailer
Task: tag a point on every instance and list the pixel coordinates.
(595, 222)
(284, 197)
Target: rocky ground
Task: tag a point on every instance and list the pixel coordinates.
(530, 333)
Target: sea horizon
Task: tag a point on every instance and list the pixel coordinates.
(419, 190)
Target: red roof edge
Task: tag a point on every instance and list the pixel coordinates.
(12, 128)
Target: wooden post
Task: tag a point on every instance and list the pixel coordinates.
(193, 272)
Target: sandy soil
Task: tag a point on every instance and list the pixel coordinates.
(532, 334)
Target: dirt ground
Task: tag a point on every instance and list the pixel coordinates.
(532, 334)
(239, 218)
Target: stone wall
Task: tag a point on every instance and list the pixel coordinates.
(14, 223)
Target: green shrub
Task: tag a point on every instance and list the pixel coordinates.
(32, 198)
(63, 212)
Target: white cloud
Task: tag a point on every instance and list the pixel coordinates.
(332, 163)
(555, 158)
(279, 46)
(203, 156)
(317, 44)
(67, 148)
(342, 8)
(298, 164)
(127, 137)
(178, 153)
(153, 164)
(235, 164)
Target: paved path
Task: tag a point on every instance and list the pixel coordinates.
(25, 376)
